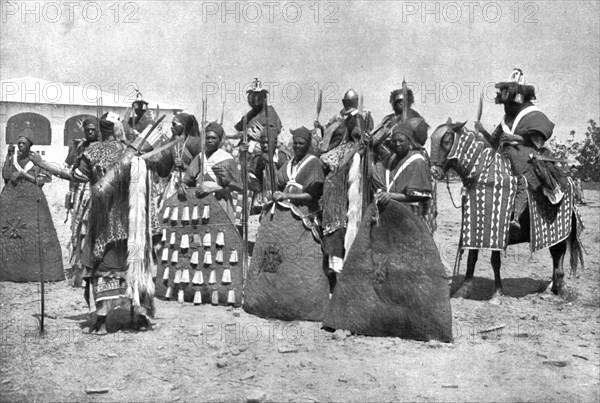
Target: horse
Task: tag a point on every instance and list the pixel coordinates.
(488, 206)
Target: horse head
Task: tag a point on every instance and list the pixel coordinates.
(442, 140)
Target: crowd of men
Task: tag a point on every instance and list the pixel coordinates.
(334, 172)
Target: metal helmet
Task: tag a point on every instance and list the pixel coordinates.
(350, 99)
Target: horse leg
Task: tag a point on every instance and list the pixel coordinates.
(558, 252)
(467, 284)
(496, 262)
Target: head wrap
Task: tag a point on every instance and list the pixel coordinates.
(215, 128)
(515, 89)
(89, 121)
(406, 130)
(256, 86)
(27, 133)
(26, 138)
(189, 122)
(110, 125)
(302, 132)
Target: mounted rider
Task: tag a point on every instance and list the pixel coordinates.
(521, 138)
(142, 117)
(413, 118)
(342, 158)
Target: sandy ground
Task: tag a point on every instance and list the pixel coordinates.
(547, 348)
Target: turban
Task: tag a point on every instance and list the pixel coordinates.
(189, 122)
(89, 121)
(406, 130)
(28, 138)
(110, 125)
(302, 132)
(107, 128)
(27, 134)
(215, 128)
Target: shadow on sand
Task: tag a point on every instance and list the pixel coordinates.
(483, 288)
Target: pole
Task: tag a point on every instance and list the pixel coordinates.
(40, 254)
(271, 147)
(245, 200)
(459, 250)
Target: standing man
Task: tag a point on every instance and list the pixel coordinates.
(77, 199)
(522, 134)
(113, 272)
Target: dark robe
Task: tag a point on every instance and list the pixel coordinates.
(256, 123)
(20, 241)
(286, 279)
(414, 119)
(518, 152)
(413, 180)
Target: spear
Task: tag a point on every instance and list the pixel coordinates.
(404, 101)
(99, 113)
(222, 113)
(271, 147)
(319, 104)
(202, 141)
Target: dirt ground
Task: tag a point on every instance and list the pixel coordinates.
(546, 348)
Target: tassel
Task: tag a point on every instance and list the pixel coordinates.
(169, 292)
(219, 257)
(173, 238)
(233, 259)
(212, 279)
(185, 241)
(175, 257)
(206, 240)
(197, 240)
(195, 213)
(220, 239)
(206, 213)
(208, 258)
(194, 258)
(166, 213)
(185, 276)
(174, 215)
(231, 297)
(166, 273)
(198, 278)
(185, 214)
(177, 279)
(215, 297)
(197, 298)
(226, 276)
(180, 296)
(164, 235)
(165, 255)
